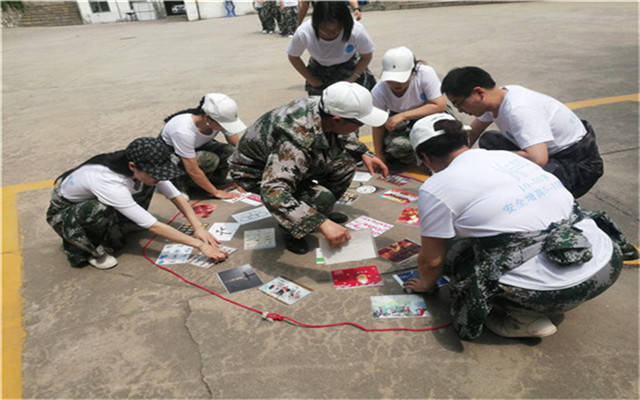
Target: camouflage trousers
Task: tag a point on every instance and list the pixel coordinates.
(287, 20)
(89, 228)
(336, 73)
(213, 159)
(267, 15)
(475, 266)
(321, 192)
(578, 167)
(396, 144)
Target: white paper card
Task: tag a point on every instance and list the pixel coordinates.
(224, 231)
(360, 247)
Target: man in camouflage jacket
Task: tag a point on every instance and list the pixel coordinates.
(301, 158)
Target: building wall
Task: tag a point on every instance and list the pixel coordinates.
(205, 9)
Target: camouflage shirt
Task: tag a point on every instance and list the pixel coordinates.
(285, 149)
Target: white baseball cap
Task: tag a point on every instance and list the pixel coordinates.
(423, 130)
(222, 109)
(397, 64)
(353, 101)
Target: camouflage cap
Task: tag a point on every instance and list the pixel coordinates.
(153, 157)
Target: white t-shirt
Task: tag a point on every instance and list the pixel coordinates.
(527, 118)
(485, 193)
(424, 86)
(330, 52)
(183, 134)
(94, 181)
(290, 3)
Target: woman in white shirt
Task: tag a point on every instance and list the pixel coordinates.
(340, 49)
(191, 134)
(409, 90)
(91, 204)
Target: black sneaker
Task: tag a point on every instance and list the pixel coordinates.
(297, 246)
(338, 218)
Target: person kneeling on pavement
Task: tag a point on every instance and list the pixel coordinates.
(509, 235)
(93, 204)
(301, 157)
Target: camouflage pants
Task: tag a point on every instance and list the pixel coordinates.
(213, 159)
(336, 73)
(396, 144)
(475, 266)
(267, 15)
(88, 228)
(287, 20)
(319, 192)
(578, 167)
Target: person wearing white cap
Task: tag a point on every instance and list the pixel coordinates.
(340, 49)
(522, 248)
(191, 136)
(301, 158)
(409, 90)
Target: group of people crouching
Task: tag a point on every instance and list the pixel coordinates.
(500, 219)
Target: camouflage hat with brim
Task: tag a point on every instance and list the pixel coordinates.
(153, 157)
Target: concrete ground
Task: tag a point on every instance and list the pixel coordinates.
(139, 332)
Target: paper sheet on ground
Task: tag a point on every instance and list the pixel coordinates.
(360, 247)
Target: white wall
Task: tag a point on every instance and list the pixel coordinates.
(117, 11)
(205, 9)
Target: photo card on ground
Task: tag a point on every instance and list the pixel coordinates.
(398, 306)
(285, 290)
(239, 278)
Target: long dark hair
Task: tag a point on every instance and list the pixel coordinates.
(116, 161)
(332, 11)
(198, 111)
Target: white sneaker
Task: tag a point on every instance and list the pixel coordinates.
(105, 261)
(516, 324)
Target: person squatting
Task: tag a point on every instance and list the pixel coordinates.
(510, 265)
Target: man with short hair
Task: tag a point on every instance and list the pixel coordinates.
(508, 234)
(533, 125)
(301, 158)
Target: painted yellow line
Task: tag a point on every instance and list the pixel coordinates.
(12, 330)
(602, 101)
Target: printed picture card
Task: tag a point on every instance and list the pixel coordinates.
(174, 253)
(348, 199)
(399, 196)
(187, 229)
(363, 222)
(238, 190)
(398, 306)
(356, 277)
(200, 260)
(252, 199)
(260, 239)
(239, 278)
(395, 179)
(403, 277)
(224, 231)
(285, 290)
(409, 216)
(399, 251)
(249, 216)
(204, 210)
(360, 247)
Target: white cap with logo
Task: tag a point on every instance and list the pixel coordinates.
(352, 101)
(397, 64)
(423, 130)
(222, 109)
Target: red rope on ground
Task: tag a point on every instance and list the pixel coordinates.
(274, 316)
